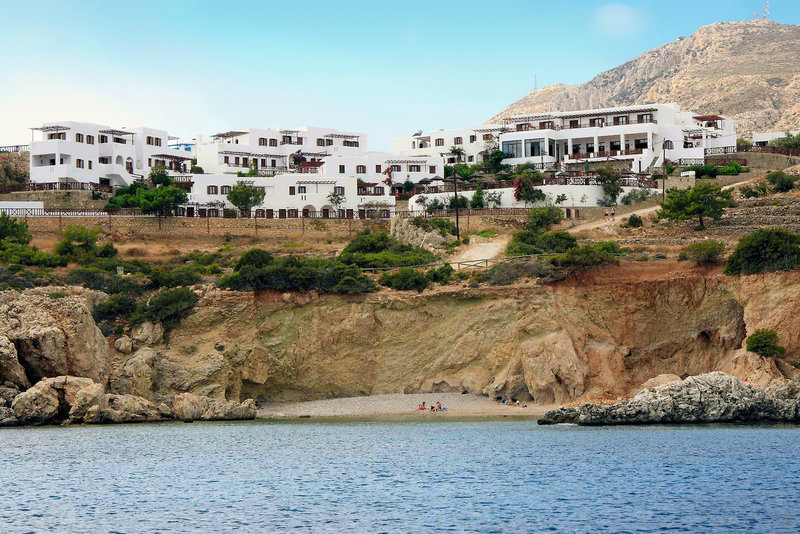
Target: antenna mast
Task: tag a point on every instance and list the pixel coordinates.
(765, 10)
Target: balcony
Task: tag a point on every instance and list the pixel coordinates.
(605, 154)
(604, 124)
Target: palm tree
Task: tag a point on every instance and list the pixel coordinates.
(458, 152)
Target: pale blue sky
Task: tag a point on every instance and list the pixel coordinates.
(384, 68)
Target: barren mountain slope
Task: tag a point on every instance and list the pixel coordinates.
(749, 70)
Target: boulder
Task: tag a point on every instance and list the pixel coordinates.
(7, 395)
(124, 345)
(92, 396)
(707, 398)
(7, 417)
(10, 368)
(188, 406)
(36, 406)
(130, 409)
(148, 333)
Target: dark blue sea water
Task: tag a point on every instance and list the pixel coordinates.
(399, 477)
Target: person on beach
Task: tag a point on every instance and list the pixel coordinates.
(613, 212)
(439, 407)
(605, 215)
(421, 407)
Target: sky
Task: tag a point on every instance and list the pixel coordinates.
(381, 67)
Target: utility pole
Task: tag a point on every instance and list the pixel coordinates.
(455, 190)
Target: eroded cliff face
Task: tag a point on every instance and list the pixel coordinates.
(598, 336)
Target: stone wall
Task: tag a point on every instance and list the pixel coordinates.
(59, 199)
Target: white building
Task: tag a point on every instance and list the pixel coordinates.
(292, 195)
(476, 143)
(270, 150)
(100, 155)
(641, 135)
(763, 138)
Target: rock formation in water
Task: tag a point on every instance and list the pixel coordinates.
(708, 398)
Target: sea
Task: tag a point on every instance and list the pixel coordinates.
(372, 477)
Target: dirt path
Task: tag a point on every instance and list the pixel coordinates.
(644, 211)
(483, 250)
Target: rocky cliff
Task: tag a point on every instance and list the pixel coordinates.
(599, 336)
(747, 70)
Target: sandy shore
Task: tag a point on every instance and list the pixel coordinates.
(400, 406)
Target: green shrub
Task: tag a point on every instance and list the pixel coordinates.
(9, 281)
(116, 306)
(731, 169)
(527, 242)
(300, 274)
(168, 307)
(203, 258)
(540, 219)
(771, 249)
(167, 277)
(97, 279)
(381, 251)
(706, 252)
(57, 295)
(634, 221)
(13, 230)
(508, 272)
(764, 342)
(442, 275)
(781, 182)
(709, 170)
(635, 195)
(756, 189)
(405, 279)
(78, 243)
(602, 252)
(15, 253)
(255, 257)
(445, 226)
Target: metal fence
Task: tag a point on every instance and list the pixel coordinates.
(757, 149)
(55, 186)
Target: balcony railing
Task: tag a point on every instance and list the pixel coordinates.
(763, 149)
(56, 186)
(605, 154)
(15, 148)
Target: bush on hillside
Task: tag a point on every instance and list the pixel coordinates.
(781, 182)
(540, 219)
(255, 257)
(168, 307)
(527, 242)
(442, 275)
(508, 272)
(381, 251)
(769, 249)
(405, 279)
(708, 170)
(756, 189)
(731, 169)
(602, 252)
(116, 306)
(707, 252)
(12, 230)
(634, 221)
(168, 277)
(636, 195)
(764, 342)
(13, 253)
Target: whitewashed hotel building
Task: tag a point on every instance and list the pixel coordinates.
(81, 152)
(476, 143)
(641, 136)
(763, 138)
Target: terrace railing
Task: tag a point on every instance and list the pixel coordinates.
(758, 149)
(56, 186)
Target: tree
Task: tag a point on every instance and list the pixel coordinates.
(78, 242)
(162, 200)
(560, 199)
(252, 171)
(704, 200)
(610, 179)
(337, 200)
(465, 171)
(742, 143)
(540, 219)
(197, 170)
(764, 342)
(160, 176)
(408, 186)
(781, 182)
(493, 199)
(14, 230)
(13, 168)
(524, 189)
(244, 196)
(477, 201)
(790, 141)
(458, 152)
(493, 162)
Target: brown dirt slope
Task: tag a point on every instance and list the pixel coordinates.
(747, 70)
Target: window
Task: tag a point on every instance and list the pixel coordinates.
(291, 190)
(361, 169)
(470, 158)
(614, 145)
(645, 117)
(89, 139)
(287, 140)
(149, 140)
(458, 141)
(158, 141)
(341, 169)
(104, 139)
(534, 147)
(262, 141)
(512, 149)
(236, 161)
(212, 189)
(546, 125)
(576, 149)
(574, 123)
(620, 120)
(395, 168)
(226, 159)
(432, 169)
(273, 142)
(523, 127)
(590, 147)
(378, 169)
(78, 138)
(487, 137)
(301, 189)
(119, 140)
(90, 164)
(472, 138)
(596, 122)
(320, 141)
(347, 142)
(104, 160)
(263, 162)
(245, 162)
(226, 189)
(149, 162)
(439, 142)
(338, 190)
(413, 168)
(639, 143)
(299, 140)
(379, 190)
(274, 163)
(79, 163)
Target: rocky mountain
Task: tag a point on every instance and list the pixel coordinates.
(747, 70)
